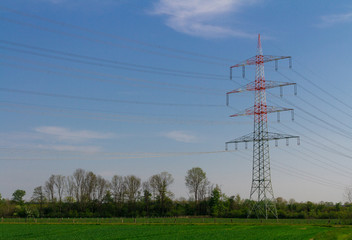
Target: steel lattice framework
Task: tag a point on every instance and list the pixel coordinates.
(261, 190)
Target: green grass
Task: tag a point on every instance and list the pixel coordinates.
(201, 231)
(335, 234)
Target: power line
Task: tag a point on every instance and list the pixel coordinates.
(311, 179)
(321, 99)
(325, 138)
(108, 42)
(110, 157)
(108, 65)
(115, 36)
(332, 167)
(318, 123)
(100, 111)
(99, 115)
(316, 85)
(325, 148)
(323, 90)
(90, 78)
(201, 90)
(309, 158)
(136, 67)
(300, 175)
(340, 130)
(314, 132)
(105, 99)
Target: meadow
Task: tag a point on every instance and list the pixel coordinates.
(184, 228)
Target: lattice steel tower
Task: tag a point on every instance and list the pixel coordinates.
(261, 191)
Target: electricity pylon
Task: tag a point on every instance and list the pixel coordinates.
(261, 191)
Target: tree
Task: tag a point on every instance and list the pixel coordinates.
(78, 177)
(59, 182)
(160, 183)
(39, 197)
(348, 194)
(118, 188)
(146, 196)
(197, 183)
(18, 195)
(203, 190)
(50, 188)
(215, 204)
(70, 189)
(89, 187)
(133, 185)
(2, 201)
(102, 188)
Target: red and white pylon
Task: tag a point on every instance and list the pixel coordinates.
(261, 190)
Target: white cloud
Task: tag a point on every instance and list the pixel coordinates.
(181, 136)
(330, 20)
(196, 17)
(54, 138)
(66, 134)
(71, 148)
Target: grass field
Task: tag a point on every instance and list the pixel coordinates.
(115, 230)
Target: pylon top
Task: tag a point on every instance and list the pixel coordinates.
(253, 60)
(259, 42)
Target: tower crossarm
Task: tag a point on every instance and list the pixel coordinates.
(277, 136)
(271, 136)
(269, 109)
(263, 59)
(246, 138)
(268, 84)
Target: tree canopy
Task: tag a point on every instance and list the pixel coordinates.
(86, 194)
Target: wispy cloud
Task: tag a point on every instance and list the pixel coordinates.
(198, 17)
(181, 136)
(330, 20)
(67, 134)
(56, 138)
(70, 148)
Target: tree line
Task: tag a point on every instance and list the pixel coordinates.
(85, 194)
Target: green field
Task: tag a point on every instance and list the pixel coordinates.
(202, 231)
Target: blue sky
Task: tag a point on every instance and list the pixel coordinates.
(138, 87)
